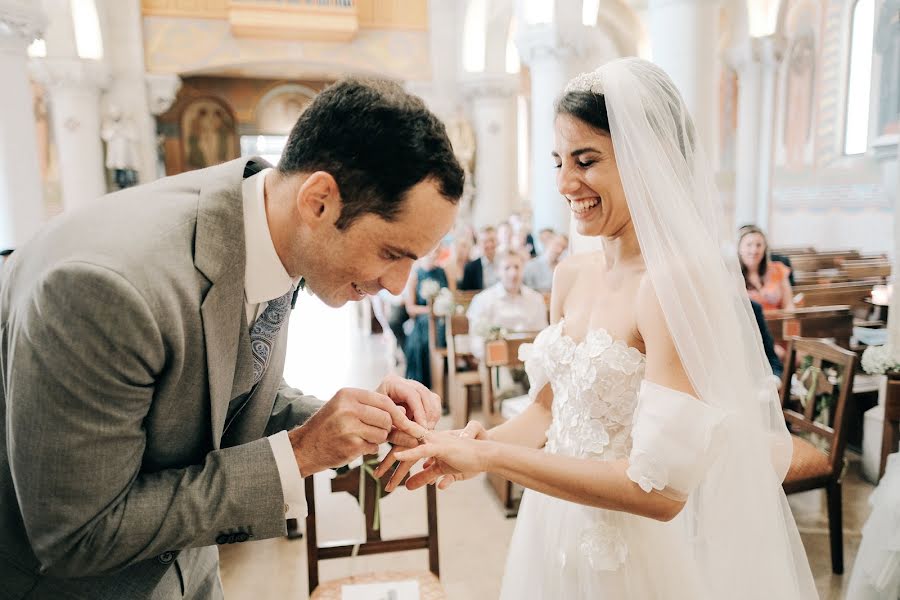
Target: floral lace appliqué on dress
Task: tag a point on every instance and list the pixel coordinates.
(595, 386)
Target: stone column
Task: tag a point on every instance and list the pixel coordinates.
(162, 89)
(74, 87)
(493, 109)
(123, 39)
(21, 192)
(771, 53)
(548, 58)
(744, 59)
(684, 38)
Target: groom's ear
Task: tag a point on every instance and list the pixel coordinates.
(318, 199)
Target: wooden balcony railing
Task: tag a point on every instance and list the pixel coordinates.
(305, 20)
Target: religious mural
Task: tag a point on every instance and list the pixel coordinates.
(208, 134)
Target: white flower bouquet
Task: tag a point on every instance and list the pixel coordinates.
(429, 289)
(444, 303)
(877, 360)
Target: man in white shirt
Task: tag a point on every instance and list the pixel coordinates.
(506, 305)
(539, 271)
(143, 414)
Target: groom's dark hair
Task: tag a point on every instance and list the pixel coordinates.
(377, 141)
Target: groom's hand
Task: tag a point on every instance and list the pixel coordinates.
(354, 422)
(421, 404)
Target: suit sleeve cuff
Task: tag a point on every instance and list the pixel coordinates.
(291, 480)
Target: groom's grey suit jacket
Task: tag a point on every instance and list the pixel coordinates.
(123, 340)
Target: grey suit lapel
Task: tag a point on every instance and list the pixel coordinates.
(220, 255)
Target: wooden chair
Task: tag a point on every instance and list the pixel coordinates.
(429, 584)
(459, 381)
(811, 322)
(437, 357)
(501, 354)
(890, 435)
(811, 466)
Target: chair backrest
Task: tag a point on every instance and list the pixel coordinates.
(463, 298)
(457, 324)
(501, 353)
(812, 322)
(826, 371)
(350, 482)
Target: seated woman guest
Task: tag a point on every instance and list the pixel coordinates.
(417, 306)
(766, 280)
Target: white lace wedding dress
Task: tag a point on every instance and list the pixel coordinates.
(562, 550)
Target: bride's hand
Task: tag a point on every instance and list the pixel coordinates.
(474, 430)
(452, 456)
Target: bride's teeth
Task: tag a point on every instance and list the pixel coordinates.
(581, 206)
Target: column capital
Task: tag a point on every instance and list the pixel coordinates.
(490, 85)
(70, 73)
(766, 51)
(162, 90)
(21, 22)
(537, 42)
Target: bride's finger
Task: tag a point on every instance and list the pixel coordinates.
(423, 478)
(397, 478)
(426, 450)
(385, 465)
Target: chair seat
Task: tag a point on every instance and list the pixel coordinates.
(808, 462)
(467, 377)
(430, 587)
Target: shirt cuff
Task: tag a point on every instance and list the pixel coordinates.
(292, 487)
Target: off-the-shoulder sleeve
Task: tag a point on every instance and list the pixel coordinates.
(530, 355)
(674, 441)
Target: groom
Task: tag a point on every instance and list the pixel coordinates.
(143, 414)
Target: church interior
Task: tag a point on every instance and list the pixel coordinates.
(796, 102)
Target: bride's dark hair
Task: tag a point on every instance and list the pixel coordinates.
(587, 107)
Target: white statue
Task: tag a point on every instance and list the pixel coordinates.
(121, 154)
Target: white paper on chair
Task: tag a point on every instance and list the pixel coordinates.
(394, 590)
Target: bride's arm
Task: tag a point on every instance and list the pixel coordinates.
(589, 482)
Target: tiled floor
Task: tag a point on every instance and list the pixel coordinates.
(327, 353)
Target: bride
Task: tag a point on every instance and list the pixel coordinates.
(654, 448)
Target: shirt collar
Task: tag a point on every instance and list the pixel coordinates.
(265, 277)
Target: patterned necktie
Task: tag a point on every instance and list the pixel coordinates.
(264, 331)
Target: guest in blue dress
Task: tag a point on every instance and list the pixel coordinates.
(418, 366)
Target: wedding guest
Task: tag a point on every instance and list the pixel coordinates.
(544, 236)
(460, 254)
(481, 272)
(766, 280)
(506, 305)
(418, 307)
(539, 271)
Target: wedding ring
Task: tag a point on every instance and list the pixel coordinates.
(421, 439)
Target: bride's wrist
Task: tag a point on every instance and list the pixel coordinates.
(490, 454)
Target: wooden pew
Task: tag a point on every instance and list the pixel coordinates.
(822, 260)
(812, 322)
(852, 293)
(866, 269)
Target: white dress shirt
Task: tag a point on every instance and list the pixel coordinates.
(266, 279)
(488, 272)
(495, 307)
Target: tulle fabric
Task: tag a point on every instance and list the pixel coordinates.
(876, 569)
